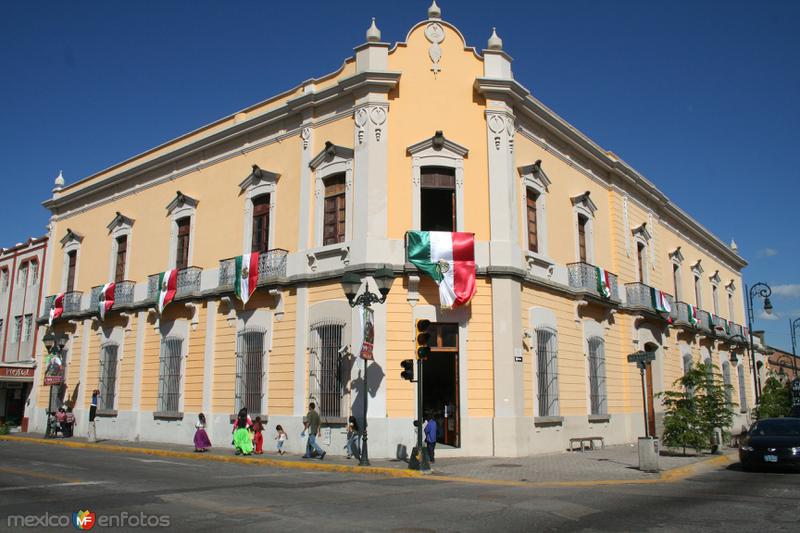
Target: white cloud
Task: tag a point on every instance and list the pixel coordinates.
(791, 290)
(773, 316)
(767, 252)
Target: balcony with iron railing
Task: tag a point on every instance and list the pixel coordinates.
(640, 296)
(123, 294)
(271, 266)
(720, 326)
(71, 304)
(188, 283)
(584, 277)
(704, 321)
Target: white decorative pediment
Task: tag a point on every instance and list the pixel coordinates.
(534, 173)
(731, 287)
(642, 232)
(70, 237)
(584, 201)
(180, 201)
(697, 268)
(330, 153)
(676, 255)
(438, 143)
(120, 221)
(715, 279)
(258, 176)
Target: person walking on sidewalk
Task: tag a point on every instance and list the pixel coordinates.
(281, 438)
(258, 437)
(201, 441)
(430, 436)
(312, 426)
(352, 439)
(242, 440)
(92, 416)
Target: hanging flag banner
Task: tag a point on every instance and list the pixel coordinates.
(660, 302)
(449, 259)
(168, 286)
(603, 283)
(54, 370)
(56, 309)
(105, 300)
(693, 320)
(246, 276)
(367, 333)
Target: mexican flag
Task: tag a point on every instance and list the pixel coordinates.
(246, 276)
(448, 258)
(105, 300)
(693, 320)
(603, 283)
(56, 308)
(168, 285)
(659, 300)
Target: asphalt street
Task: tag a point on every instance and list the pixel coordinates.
(198, 495)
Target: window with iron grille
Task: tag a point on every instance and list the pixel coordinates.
(547, 371)
(34, 275)
(26, 336)
(597, 376)
(326, 379)
(169, 375)
(108, 376)
(250, 370)
(22, 275)
(17, 328)
(742, 390)
(726, 380)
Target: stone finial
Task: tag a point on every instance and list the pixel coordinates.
(59, 182)
(434, 12)
(734, 246)
(373, 33)
(495, 42)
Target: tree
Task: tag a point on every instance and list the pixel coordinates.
(695, 408)
(683, 426)
(775, 399)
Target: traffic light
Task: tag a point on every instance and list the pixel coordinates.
(408, 369)
(422, 339)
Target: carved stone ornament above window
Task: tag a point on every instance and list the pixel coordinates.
(120, 220)
(715, 279)
(676, 256)
(642, 232)
(258, 176)
(329, 153)
(71, 236)
(438, 143)
(181, 200)
(697, 268)
(535, 173)
(731, 287)
(583, 200)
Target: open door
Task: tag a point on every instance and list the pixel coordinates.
(440, 383)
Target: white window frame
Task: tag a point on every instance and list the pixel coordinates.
(181, 207)
(437, 151)
(27, 333)
(70, 243)
(258, 183)
(33, 272)
(641, 235)
(121, 226)
(583, 205)
(715, 292)
(730, 290)
(697, 273)
(330, 161)
(533, 177)
(22, 274)
(676, 260)
(103, 368)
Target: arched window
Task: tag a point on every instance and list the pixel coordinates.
(597, 376)
(547, 371)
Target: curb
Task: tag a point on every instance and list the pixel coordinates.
(668, 476)
(318, 466)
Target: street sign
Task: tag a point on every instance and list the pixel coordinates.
(641, 357)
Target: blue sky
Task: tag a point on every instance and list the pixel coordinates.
(699, 96)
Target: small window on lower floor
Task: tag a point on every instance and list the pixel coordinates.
(547, 371)
(597, 376)
(327, 375)
(108, 376)
(169, 376)
(250, 370)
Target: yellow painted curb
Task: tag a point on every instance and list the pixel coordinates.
(318, 466)
(668, 476)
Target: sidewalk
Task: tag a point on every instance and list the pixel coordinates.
(614, 464)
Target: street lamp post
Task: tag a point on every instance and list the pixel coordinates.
(351, 283)
(54, 343)
(764, 291)
(793, 325)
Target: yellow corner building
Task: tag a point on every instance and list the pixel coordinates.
(325, 179)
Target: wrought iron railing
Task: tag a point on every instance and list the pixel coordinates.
(72, 302)
(720, 327)
(703, 318)
(188, 283)
(123, 294)
(583, 276)
(271, 265)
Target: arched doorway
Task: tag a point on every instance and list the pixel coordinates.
(651, 398)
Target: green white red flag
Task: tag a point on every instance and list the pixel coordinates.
(168, 286)
(246, 276)
(105, 300)
(56, 309)
(659, 301)
(603, 283)
(693, 320)
(449, 259)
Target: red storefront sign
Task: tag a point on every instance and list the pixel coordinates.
(16, 373)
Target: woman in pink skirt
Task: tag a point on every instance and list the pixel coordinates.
(201, 441)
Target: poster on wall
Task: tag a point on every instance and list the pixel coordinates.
(367, 333)
(54, 370)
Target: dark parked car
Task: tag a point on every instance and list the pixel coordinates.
(773, 442)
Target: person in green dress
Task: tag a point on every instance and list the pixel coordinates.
(242, 439)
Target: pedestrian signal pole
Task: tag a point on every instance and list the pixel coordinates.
(420, 459)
